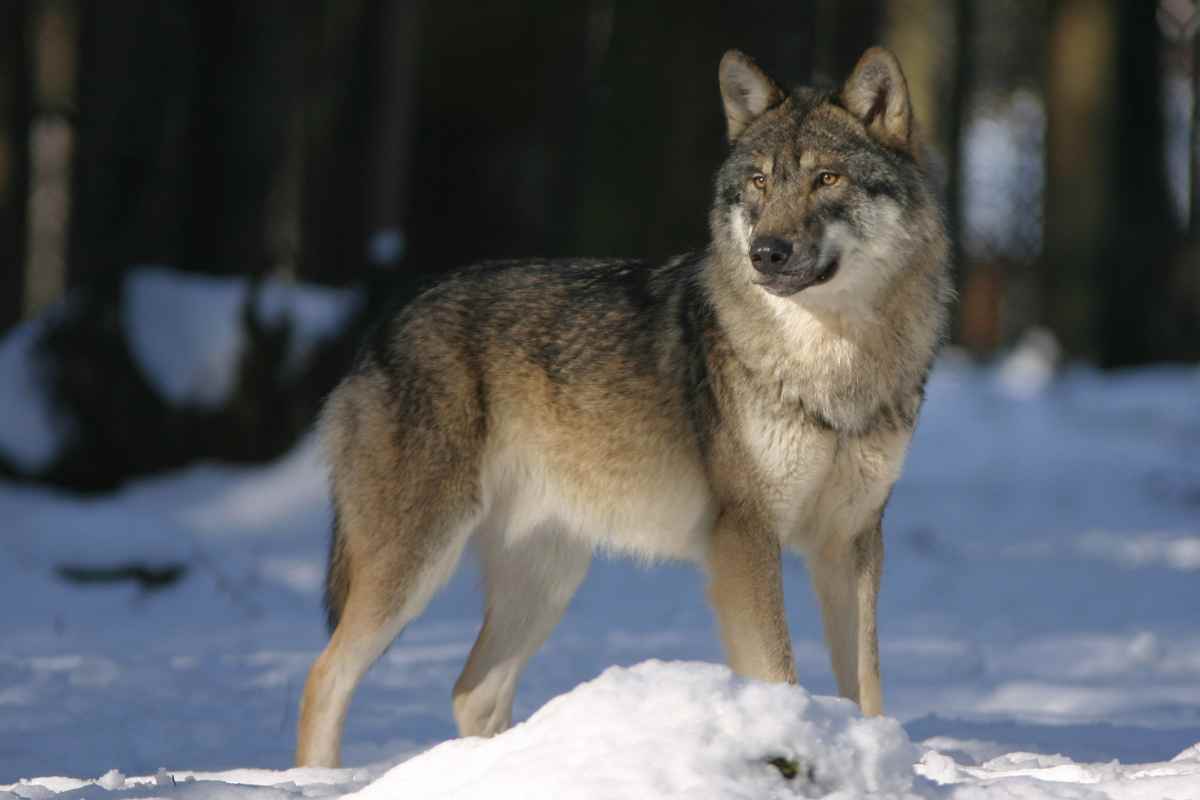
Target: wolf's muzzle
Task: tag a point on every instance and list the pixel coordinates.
(782, 273)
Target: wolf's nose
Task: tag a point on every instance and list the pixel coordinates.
(770, 253)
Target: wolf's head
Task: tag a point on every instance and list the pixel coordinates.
(822, 200)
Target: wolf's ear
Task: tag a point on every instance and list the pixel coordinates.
(877, 94)
(746, 91)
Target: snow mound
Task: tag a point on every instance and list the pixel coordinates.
(679, 729)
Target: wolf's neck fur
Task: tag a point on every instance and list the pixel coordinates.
(851, 368)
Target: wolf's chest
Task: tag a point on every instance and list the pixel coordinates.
(819, 483)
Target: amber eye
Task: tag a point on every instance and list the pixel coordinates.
(759, 181)
(828, 178)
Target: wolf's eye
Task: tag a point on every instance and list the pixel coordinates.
(828, 178)
(759, 181)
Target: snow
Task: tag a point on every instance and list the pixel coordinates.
(1039, 776)
(186, 334)
(1030, 368)
(1005, 176)
(1037, 628)
(670, 730)
(30, 435)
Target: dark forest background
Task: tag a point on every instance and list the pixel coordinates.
(366, 142)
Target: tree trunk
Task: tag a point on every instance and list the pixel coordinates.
(1140, 233)
(1109, 231)
(1080, 141)
(395, 106)
(54, 38)
(340, 65)
(960, 105)
(1195, 159)
(183, 119)
(131, 176)
(15, 121)
(238, 125)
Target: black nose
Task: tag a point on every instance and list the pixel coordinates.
(770, 253)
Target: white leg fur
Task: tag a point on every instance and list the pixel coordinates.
(833, 580)
(529, 585)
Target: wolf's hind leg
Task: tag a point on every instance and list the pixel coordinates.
(365, 630)
(382, 598)
(406, 489)
(529, 584)
(394, 548)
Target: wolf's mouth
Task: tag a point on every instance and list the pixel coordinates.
(827, 272)
(785, 284)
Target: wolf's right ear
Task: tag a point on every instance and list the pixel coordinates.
(746, 90)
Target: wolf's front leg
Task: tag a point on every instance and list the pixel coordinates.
(868, 562)
(846, 579)
(746, 590)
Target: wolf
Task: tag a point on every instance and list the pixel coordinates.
(719, 407)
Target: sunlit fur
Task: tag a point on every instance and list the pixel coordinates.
(681, 410)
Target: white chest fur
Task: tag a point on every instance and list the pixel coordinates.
(820, 485)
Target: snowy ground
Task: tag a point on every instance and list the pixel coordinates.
(1041, 597)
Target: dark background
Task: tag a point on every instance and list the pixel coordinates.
(364, 142)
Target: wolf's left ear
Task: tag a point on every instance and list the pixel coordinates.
(877, 94)
(746, 90)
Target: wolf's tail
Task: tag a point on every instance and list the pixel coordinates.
(337, 576)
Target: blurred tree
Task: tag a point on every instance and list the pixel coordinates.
(340, 45)
(54, 36)
(655, 132)
(1195, 159)
(182, 123)
(15, 121)
(974, 321)
(130, 180)
(283, 233)
(500, 97)
(241, 96)
(941, 80)
(1080, 135)
(1090, 92)
(1140, 234)
(394, 106)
